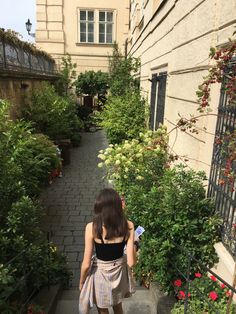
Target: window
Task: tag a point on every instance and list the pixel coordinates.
(157, 106)
(105, 27)
(86, 26)
(96, 26)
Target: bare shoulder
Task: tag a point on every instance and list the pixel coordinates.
(89, 228)
(130, 224)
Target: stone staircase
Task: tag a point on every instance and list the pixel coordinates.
(141, 302)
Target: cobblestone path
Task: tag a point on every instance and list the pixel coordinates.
(69, 200)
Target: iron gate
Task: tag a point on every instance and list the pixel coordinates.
(224, 194)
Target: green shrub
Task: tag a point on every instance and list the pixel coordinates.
(52, 114)
(174, 210)
(123, 117)
(26, 159)
(92, 83)
(75, 139)
(38, 259)
(122, 73)
(169, 203)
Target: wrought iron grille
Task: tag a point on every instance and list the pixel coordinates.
(17, 59)
(224, 194)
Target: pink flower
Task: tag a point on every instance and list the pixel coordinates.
(213, 295)
(213, 278)
(198, 275)
(178, 283)
(223, 285)
(228, 293)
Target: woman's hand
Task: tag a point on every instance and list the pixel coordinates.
(80, 286)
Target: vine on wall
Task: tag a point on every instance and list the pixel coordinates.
(217, 74)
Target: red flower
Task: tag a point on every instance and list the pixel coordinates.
(198, 275)
(178, 283)
(213, 278)
(181, 295)
(213, 295)
(223, 285)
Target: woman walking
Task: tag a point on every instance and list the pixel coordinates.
(106, 277)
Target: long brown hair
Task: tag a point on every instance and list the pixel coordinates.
(109, 213)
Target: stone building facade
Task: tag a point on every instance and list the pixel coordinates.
(85, 29)
(172, 38)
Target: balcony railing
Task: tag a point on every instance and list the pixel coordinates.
(14, 58)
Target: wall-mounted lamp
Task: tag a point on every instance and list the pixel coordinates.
(28, 26)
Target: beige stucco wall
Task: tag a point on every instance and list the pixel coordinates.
(176, 36)
(57, 31)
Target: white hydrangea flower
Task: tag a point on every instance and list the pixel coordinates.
(102, 156)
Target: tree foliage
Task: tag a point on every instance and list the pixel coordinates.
(92, 83)
(122, 72)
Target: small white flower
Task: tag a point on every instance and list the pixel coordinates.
(100, 165)
(139, 178)
(102, 156)
(117, 162)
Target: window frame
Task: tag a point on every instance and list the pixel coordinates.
(96, 23)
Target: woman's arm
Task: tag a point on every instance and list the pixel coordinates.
(88, 251)
(131, 249)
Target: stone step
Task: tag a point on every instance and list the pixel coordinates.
(140, 303)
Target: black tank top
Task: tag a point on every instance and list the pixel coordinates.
(109, 251)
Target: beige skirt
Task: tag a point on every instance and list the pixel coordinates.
(106, 285)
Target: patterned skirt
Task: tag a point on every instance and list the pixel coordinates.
(107, 283)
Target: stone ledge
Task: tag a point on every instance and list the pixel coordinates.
(163, 302)
(47, 298)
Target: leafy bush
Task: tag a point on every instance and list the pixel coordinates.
(92, 83)
(75, 139)
(26, 159)
(121, 73)
(38, 258)
(123, 117)
(169, 203)
(67, 75)
(52, 114)
(174, 212)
